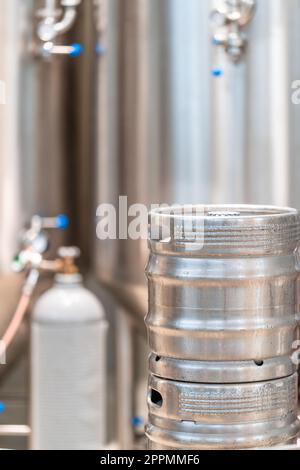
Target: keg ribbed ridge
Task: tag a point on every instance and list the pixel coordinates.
(226, 229)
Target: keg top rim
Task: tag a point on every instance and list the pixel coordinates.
(227, 228)
(224, 211)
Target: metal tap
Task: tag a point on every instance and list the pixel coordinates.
(49, 49)
(55, 22)
(229, 20)
(35, 243)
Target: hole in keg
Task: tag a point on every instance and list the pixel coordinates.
(259, 363)
(156, 398)
(158, 358)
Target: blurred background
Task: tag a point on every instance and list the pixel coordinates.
(164, 101)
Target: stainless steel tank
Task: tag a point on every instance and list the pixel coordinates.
(167, 131)
(36, 127)
(33, 125)
(222, 322)
(170, 132)
(145, 150)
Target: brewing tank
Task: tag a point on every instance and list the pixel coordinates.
(68, 357)
(145, 151)
(35, 139)
(170, 132)
(35, 126)
(222, 322)
(32, 122)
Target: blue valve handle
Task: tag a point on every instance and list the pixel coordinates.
(2, 407)
(137, 421)
(62, 222)
(72, 50)
(59, 221)
(216, 72)
(75, 50)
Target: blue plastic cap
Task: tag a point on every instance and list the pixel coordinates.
(137, 421)
(2, 407)
(62, 222)
(76, 50)
(216, 72)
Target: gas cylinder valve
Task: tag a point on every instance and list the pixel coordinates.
(229, 20)
(68, 255)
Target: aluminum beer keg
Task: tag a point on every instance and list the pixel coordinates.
(222, 323)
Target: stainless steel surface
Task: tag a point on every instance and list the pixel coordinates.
(232, 299)
(229, 19)
(166, 130)
(220, 372)
(34, 115)
(206, 416)
(35, 166)
(169, 132)
(222, 321)
(35, 177)
(145, 150)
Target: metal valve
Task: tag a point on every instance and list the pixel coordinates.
(49, 49)
(228, 20)
(35, 241)
(55, 22)
(68, 255)
(36, 237)
(69, 252)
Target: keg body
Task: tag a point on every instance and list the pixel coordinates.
(222, 314)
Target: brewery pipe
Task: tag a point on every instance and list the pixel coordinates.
(49, 28)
